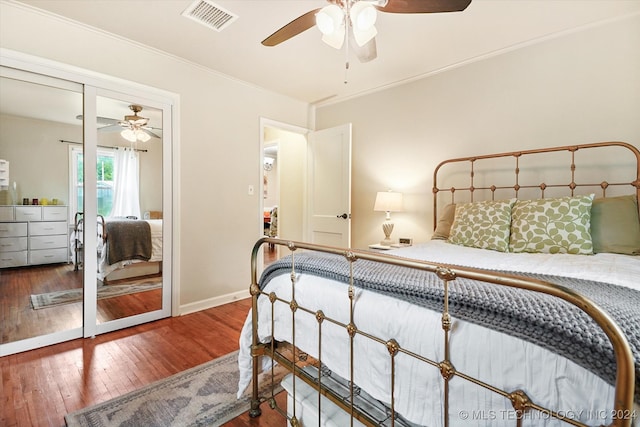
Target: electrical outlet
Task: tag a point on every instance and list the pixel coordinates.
(250, 191)
(405, 241)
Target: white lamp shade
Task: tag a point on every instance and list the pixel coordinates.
(133, 135)
(335, 40)
(129, 135)
(330, 22)
(142, 135)
(329, 19)
(364, 36)
(388, 201)
(363, 17)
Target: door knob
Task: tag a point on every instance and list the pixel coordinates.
(343, 216)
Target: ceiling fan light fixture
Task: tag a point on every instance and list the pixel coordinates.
(362, 37)
(329, 19)
(142, 136)
(330, 22)
(129, 135)
(336, 39)
(363, 16)
(135, 134)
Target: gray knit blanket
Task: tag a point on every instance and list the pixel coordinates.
(128, 240)
(539, 318)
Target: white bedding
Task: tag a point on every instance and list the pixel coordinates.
(104, 268)
(547, 379)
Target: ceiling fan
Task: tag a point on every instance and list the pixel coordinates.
(354, 21)
(133, 128)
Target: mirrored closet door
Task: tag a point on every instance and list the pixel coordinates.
(85, 171)
(131, 282)
(41, 293)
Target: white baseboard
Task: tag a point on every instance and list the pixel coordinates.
(213, 302)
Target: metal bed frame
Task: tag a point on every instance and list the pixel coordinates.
(521, 402)
(78, 228)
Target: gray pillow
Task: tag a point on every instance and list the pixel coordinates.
(615, 226)
(444, 222)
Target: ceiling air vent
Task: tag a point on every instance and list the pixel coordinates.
(209, 14)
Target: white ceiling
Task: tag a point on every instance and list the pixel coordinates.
(409, 46)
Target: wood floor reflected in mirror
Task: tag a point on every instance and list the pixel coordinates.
(40, 300)
(141, 295)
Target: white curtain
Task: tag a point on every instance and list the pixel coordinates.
(126, 194)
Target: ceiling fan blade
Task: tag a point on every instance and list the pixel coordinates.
(111, 128)
(102, 120)
(424, 6)
(293, 28)
(148, 132)
(367, 52)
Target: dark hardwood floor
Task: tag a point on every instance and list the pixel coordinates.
(39, 387)
(18, 319)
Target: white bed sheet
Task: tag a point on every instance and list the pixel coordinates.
(104, 268)
(550, 380)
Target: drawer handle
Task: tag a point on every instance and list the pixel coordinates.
(48, 228)
(6, 245)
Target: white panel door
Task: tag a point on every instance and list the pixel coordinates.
(329, 191)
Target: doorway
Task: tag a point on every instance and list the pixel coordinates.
(284, 154)
(312, 183)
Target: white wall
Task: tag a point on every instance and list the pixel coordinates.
(579, 88)
(39, 162)
(219, 142)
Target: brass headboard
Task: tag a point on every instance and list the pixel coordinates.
(624, 160)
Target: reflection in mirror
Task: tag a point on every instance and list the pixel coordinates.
(129, 194)
(40, 292)
(271, 195)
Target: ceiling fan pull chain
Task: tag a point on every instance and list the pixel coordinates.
(347, 25)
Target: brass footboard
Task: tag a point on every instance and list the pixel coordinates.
(522, 403)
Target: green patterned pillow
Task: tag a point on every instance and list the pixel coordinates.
(483, 225)
(556, 226)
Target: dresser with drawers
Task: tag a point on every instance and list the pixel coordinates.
(33, 235)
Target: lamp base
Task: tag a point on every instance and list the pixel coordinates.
(386, 242)
(387, 228)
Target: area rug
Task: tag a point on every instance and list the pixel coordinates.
(201, 396)
(69, 296)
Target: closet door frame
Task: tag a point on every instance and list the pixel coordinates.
(91, 325)
(93, 84)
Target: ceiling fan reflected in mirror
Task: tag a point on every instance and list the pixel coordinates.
(133, 128)
(351, 23)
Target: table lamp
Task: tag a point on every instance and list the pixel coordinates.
(388, 201)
